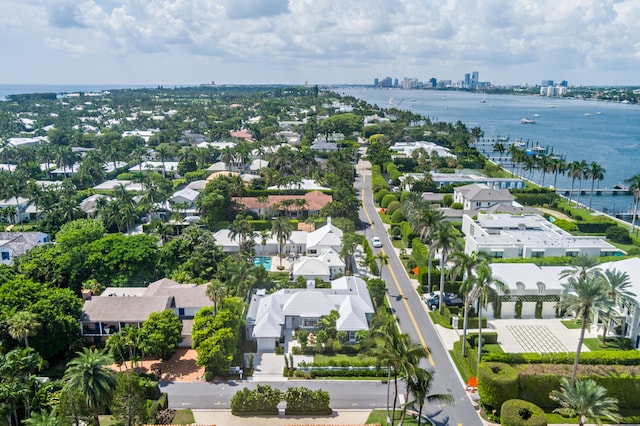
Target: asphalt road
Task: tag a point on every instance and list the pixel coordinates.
(353, 394)
(412, 316)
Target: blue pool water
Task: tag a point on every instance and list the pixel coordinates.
(264, 261)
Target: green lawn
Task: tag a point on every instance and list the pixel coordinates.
(380, 417)
(183, 417)
(343, 357)
(628, 417)
(612, 344)
(571, 324)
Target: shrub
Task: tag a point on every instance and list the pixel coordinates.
(516, 412)
(566, 225)
(380, 195)
(457, 206)
(125, 176)
(386, 200)
(618, 234)
(407, 233)
(263, 400)
(420, 252)
(392, 207)
(497, 383)
(447, 200)
(303, 401)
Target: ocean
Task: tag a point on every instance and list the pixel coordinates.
(605, 132)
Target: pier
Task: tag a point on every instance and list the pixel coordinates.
(613, 191)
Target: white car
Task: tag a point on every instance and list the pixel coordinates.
(376, 242)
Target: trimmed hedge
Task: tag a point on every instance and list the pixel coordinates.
(497, 383)
(420, 252)
(589, 358)
(516, 412)
(407, 233)
(304, 401)
(263, 400)
(387, 199)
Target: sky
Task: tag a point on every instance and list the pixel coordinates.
(186, 42)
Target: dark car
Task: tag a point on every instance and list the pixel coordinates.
(448, 299)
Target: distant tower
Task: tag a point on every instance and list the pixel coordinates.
(396, 83)
(467, 81)
(433, 81)
(375, 82)
(475, 78)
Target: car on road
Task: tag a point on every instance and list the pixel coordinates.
(449, 299)
(376, 242)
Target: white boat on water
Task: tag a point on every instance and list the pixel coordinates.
(527, 120)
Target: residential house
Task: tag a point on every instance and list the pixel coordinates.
(185, 197)
(15, 244)
(326, 267)
(322, 145)
(292, 205)
(528, 235)
(118, 307)
(478, 196)
(271, 317)
(408, 148)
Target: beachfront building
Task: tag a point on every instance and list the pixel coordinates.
(407, 149)
(528, 235)
(272, 317)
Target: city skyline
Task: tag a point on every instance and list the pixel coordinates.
(319, 41)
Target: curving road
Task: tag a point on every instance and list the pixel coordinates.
(412, 317)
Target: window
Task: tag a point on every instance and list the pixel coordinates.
(352, 336)
(497, 254)
(537, 253)
(520, 288)
(572, 253)
(6, 255)
(309, 322)
(181, 312)
(541, 289)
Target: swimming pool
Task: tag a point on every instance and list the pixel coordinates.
(265, 261)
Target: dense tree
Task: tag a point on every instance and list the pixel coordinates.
(160, 334)
(22, 325)
(129, 400)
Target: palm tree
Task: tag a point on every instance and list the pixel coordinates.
(22, 325)
(574, 171)
(215, 292)
(383, 259)
(586, 400)
(583, 167)
(559, 166)
(446, 240)
(42, 418)
(483, 292)
(350, 241)
(594, 172)
(499, 148)
(281, 229)
(589, 295)
(581, 267)
(419, 385)
(90, 375)
(241, 228)
(634, 187)
(619, 284)
(465, 264)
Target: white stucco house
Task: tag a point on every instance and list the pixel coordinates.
(271, 317)
(326, 266)
(528, 235)
(478, 196)
(15, 244)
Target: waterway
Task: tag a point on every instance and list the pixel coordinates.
(605, 132)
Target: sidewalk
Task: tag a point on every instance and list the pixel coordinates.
(225, 418)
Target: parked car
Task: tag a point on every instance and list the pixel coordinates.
(448, 299)
(429, 296)
(376, 242)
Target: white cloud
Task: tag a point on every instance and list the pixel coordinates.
(341, 41)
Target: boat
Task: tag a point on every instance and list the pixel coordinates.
(587, 114)
(536, 115)
(598, 113)
(527, 120)
(621, 186)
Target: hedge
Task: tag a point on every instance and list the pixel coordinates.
(263, 400)
(387, 199)
(407, 233)
(397, 217)
(303, 401)
(380, 195)
(326, 372)
(516, 412)
(497, 383)
(588, 358)
(392, 207)
(420, 252)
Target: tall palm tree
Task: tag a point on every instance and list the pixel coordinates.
(282, 228)
(581, 267)
(350, 241)
(594, 172)
(588, 296)
(618, 284)
(241, 228)
(419, 385)
(22, 325)
(89, 374)
(574, 171)
(582, 167)
(383, 260)
(586, 400)
(634, 187)
(559, 167)
(446, 240)
(485, 289)
(215, 292)
(464, 264)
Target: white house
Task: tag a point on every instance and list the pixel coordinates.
(15, 244)
(187, 197)
(272, 316)
(326, 266)
(407, 148)
(478, 196)
(328, 236)
(527, 235)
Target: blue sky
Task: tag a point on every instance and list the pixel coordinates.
(318, 41)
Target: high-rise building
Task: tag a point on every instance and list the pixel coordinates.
(475, 75)
(467, 81)
(375, 82)
(546, 83)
